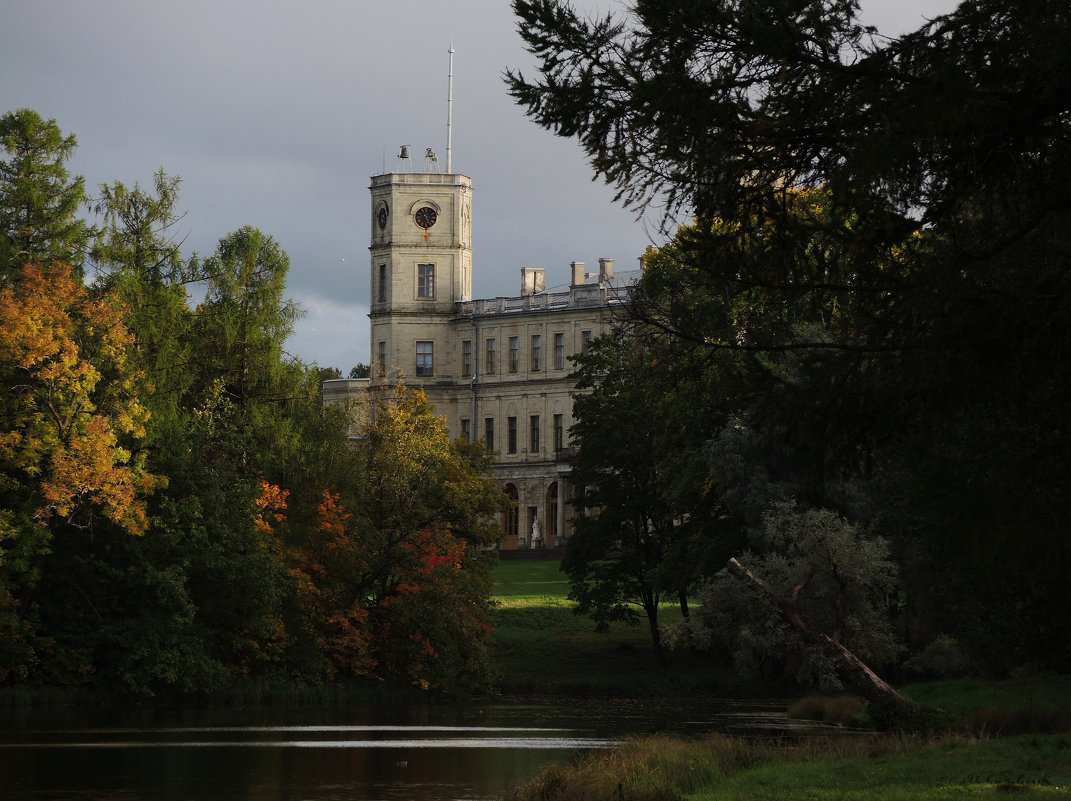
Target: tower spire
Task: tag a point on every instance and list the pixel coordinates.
(450, 114)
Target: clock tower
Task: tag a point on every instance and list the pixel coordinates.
(421, 267)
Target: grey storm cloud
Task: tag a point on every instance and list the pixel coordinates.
(275, 114)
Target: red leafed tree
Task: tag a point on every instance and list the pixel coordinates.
(330, 569)
(427, 515)
(392, 576)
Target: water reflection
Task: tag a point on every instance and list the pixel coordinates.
(402, 737)
(425, 753)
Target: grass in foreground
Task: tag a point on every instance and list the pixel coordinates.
(873, 768)
(1031, 767)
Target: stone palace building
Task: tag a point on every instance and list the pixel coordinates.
(496, 368)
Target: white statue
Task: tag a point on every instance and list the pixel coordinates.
(537, 537)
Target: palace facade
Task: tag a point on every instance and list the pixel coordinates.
(497, 368)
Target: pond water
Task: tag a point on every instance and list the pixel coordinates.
(418, 753)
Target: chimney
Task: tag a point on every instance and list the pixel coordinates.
(533, 280)
(578, 273)
(606, 270)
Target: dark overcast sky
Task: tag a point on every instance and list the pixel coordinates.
(275, 114)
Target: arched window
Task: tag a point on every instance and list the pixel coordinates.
(552, 512)
(511, 510)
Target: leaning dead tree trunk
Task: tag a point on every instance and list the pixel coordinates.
(888, 707)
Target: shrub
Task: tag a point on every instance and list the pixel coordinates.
(941, 659)
(645, 769)
(840, 710)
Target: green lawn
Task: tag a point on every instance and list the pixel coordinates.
(544, 648)
(530, 578)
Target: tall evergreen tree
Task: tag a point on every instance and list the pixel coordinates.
(138, 260)
(245, 319)
(39, 200)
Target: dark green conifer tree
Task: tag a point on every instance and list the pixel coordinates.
(39, 200)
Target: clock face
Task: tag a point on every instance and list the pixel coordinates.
(426, 217)
(383, 217)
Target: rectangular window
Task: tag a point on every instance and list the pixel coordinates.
(585, 342)
(489, 432)
(425, 358)
(466, 430)
(537, 353)
(533, 430)
(381, 359)
(559, 351)
(425, 281)
(511, 435)
(382, 283)
(492, 358)
(514, 352)
(466, 358)
(559, 432)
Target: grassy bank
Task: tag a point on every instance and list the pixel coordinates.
(872, 768)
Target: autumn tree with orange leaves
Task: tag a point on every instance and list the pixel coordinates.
(69, 410)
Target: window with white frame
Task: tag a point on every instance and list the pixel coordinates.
(425, 358)
(425, 280)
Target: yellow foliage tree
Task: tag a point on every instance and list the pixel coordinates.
(69, 412)
(68, 402)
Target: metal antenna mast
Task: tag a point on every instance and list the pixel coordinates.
(450, 114)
